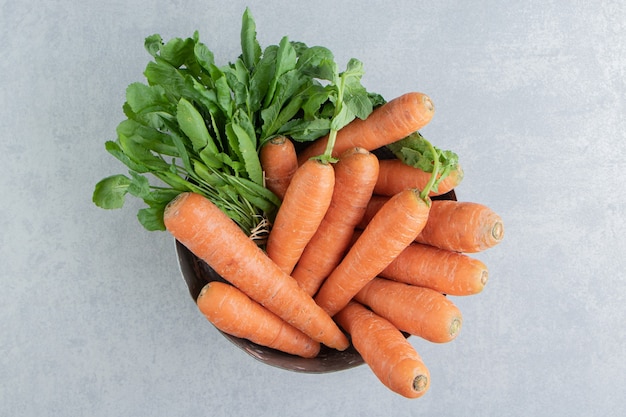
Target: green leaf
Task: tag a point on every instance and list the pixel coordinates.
(261, 77)
(146, 99)
(192, 124)
(140, 155)
(148, 137)
(116, 150)
(110, 192)
(251, 50)
(305, 130)
(177, 51)
(318, 62)
(241, 130)
(153, 44)
(139, 185)
(204, 56)
(151, 218)
(286, 60)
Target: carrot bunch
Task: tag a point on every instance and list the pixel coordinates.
(344, 261)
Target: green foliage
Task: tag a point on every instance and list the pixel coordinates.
(196, 126)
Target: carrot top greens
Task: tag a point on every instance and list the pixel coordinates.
(198, 126)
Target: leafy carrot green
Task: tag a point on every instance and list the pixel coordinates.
(198, 126)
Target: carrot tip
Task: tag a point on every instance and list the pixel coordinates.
(455, 326)
(498, 230)
(420, 383)
(430, 106)
(484, 277)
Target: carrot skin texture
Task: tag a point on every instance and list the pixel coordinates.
(462, 226)
(279, 162)
(389, 232)
(355, 176)
(394, 361)
(303, 208)
(212, 236)
(418, 311)
(396, 176)
(445, 271)
(388, 123)
(233, 312)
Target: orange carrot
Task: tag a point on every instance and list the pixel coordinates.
(391, 230)
(396, 176)
(375, 203)
(303, 208)
(462, 226)
(279, 162)
(392, 358)
(416, 310)
(233, 312)
(355, 176)
(212, 236)
(388, 123)
(442, 270)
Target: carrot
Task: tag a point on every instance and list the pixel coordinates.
(233, 312)
(442, 270)
(396, 176)
(462, 226)
(212, 236)
(392, 358)
(279, 162)
(416, 310)
(388, 123)
(391, 230)
(303, 208)
(373, 206)
(355, 176)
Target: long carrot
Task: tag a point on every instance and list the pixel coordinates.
(396, 176)
(388, 123)
(391, 230)
(213, 237)
(462, 226)
(303, 208)
(392, 358)
(355, 176)
(279, 162)
(416, 310)
(233, 312)
(442, 270)
(373, 206)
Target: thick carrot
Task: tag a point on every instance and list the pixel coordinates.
(416, 310)
(355, 176)
(442, 270)
(373, 206)
(391, 230)
(233, 312)
(213, 237)
(448, 272)
(303, 208)
(279, 162)
(462, 226)
(396, 176)
(388, 123)
(392, 358)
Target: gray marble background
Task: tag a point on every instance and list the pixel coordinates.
(95, 319)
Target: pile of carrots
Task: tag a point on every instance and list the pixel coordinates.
(360, 251)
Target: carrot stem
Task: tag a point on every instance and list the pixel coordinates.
(435, 173)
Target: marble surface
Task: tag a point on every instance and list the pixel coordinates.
(96, 320)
